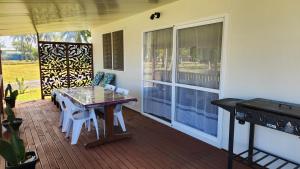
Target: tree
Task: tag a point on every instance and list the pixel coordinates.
(2, 44)
(35, 54)
(76, 36)
(51, 36)
(25, 44)
(79, 36)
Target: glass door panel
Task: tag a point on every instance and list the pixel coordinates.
(198, 58)
(157, 90)
(158, 55)
(157, 100)
(198, 61)
(193, 108)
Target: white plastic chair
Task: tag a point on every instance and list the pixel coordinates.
(65, 114)
(77, 116)
(107, 87)
(118, 115)
(54, 92)
(101, 109)
(59, 98)
(110, 87)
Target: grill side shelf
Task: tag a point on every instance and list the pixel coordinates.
(265, 160)
(228, 104)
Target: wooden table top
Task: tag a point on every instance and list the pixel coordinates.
(94, 96)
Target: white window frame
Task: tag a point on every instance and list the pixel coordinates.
(215, 141)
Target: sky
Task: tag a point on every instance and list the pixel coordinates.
(7, 41)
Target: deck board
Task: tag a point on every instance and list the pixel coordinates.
(153, 145)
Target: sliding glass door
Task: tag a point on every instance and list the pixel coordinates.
(182, 68)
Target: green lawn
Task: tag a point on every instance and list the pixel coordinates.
(22, 69)
(30, 94)
(18, 69)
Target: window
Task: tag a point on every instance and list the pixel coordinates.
(113, 52)
(118, 59)
(107, 52)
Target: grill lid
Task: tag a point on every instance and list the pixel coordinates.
(272, 106)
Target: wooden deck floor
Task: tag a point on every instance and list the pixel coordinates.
(153, 145)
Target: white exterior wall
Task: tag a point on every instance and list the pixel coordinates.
(262, 56)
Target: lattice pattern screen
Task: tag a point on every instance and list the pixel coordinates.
(64, 65)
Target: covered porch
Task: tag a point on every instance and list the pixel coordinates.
(175, 57)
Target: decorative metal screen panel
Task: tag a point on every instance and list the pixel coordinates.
(64, 65)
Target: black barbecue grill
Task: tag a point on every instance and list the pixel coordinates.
(276, 115)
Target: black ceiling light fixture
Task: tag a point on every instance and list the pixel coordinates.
(155, 15)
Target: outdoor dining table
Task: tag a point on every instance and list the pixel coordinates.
(95, 96)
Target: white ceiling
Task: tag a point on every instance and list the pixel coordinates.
(20, 16)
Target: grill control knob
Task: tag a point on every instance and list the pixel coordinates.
(297, 129)
(289, 128)
(280, 124)
(241, 117)
(261, 118)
